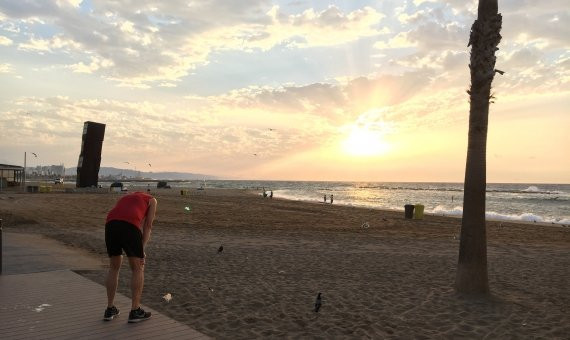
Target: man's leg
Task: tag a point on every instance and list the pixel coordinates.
(137, 280)
(113, 278)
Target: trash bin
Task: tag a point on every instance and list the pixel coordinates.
(32, 188)
(418, 212)
(409, 210)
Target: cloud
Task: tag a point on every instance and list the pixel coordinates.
(171, 136)
(328, 27)
(148, 42)
(94, 65)
(229, 126)
(54, 44)
(72, 3)
(6, 68)
(4, 41)
(331, 104)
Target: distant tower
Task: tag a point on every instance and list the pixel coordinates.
(90, 156)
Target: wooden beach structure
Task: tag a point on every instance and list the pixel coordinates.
(11, 176)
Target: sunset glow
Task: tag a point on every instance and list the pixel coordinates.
(365, 143)
(202, 87)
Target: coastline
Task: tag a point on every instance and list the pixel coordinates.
(391, 280)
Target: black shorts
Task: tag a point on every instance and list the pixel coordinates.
(121, 235)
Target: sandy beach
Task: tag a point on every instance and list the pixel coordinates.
(393, 279)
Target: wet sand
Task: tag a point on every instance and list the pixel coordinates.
(391, 280)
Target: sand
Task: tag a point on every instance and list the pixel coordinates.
(391, 280)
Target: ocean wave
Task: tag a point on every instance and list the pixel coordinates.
(492, 215)
(528, 190)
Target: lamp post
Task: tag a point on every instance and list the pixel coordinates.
(25, 156)
(24, 174)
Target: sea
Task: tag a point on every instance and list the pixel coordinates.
(541, 203)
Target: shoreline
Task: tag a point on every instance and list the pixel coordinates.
(434, 205)
(391, 280)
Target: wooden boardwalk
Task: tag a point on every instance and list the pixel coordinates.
(65, 305)
(42, 298)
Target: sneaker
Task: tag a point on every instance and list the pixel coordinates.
(110, 313)
(138, 315)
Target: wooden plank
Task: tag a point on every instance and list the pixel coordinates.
(71, 314)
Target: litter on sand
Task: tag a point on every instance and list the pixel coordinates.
(365, 225)
(167, 297)
(41, 307)
(187, 208)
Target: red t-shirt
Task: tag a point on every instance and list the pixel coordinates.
(131, 208)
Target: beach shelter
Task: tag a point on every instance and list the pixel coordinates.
(11, 176)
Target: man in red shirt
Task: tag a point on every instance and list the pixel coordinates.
(128, 228)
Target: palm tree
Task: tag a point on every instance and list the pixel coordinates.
(472, 264)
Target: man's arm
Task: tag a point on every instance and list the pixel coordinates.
(149, 218)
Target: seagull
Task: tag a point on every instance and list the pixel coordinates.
(270, 129)
(127, 162)
(149, 165)
(33, 153)
(255, 154)
(318, 303)
(221, 249)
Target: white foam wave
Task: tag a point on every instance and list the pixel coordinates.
(532, 188)
(441, 210)
(438, 210)
(491, 215)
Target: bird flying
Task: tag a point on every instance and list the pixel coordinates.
(318, 303)
(33, 153)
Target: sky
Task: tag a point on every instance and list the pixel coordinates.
(360, 90)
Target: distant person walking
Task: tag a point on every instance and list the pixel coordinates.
(128, 227)
(271, 194)
(325, 198)
(332, 199)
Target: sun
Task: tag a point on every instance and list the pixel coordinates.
(365, 142)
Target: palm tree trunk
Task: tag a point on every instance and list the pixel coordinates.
(472, 264)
